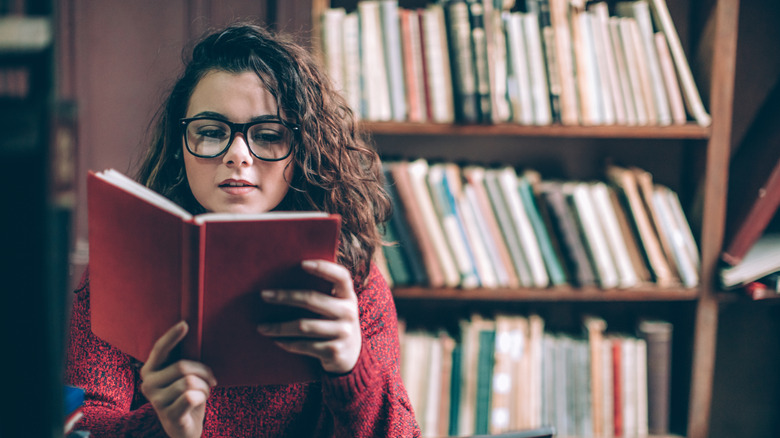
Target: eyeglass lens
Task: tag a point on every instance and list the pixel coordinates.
(209, 137)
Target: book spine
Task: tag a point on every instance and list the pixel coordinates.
(462, 61)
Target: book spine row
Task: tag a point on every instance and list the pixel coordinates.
(509, 372)
(543, 62)
(471, 226)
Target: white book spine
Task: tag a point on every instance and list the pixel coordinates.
(539, 92)
(352, 63)
(606, 66)
(615, 241)
(482, 260)
(621, 64)
(391, 31)
(332, 46)
(437, 62)
(502, 276)
(376, 91)
(594, 236)
(519, 85)
(632, 67)
(507, 178)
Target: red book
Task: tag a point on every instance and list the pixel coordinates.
(152, 264)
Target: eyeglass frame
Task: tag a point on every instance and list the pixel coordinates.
(243, 128)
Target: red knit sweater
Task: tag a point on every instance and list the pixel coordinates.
(370, 401)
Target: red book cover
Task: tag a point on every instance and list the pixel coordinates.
(152, 264)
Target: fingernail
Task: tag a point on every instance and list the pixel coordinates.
(309, 264)
(268, 294)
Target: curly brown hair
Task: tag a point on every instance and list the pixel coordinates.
(335, 169)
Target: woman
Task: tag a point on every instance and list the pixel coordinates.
(252, 125)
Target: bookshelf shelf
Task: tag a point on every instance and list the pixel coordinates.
(564, 294)
(682, 132)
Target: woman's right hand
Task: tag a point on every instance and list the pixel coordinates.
(177, 391)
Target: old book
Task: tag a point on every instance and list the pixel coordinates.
(671, 84)
(607, 77)
(754, 183)
(483, 207)
(540, 94)
(640, 11)
(625, 180)
(630, 237)
(565, 225)
(646, 186)
(556, 273)
(559, 19)
(452, 225)
(595, 328)
(657, 335)
(391, 33)
(479, 41)
(612, 233)
(586, 68)
(621, 63)
(519, 85)
(398, 228)
(509, 184)
(595, 241)
(332, 24)
(437, 64)
(762, 259)
(418, 173)
(201, 269)
(413, 65)
(687, 265)
(352, 61)
(504, 386)
(497, 62)
(663, 21)
(376, 88)
(464, 73)
(414, 217)
(542, 9)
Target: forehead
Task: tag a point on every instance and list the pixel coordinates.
(237, 96)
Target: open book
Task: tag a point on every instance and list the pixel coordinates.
(153, 264)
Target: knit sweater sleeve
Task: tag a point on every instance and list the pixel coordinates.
(371, 400)
(109, 379)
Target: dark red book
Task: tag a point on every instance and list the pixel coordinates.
(152, 264)
(754, 183)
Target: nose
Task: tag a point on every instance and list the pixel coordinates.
(238, 153)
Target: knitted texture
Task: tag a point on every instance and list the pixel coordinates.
(369, 401)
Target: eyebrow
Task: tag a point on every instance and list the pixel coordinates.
(216, 115)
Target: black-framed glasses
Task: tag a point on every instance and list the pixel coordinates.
(268, 140)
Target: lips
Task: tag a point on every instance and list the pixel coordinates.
(236, 183)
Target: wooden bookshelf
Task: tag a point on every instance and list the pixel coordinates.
(706, 151)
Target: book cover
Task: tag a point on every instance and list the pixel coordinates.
(152, 265)
(754, 183)
(391, 32)
(479, 42)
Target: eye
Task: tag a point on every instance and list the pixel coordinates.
(212, 131)
(268, 134)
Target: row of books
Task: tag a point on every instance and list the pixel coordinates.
(472, 226)
(508, 373)
(536, 62)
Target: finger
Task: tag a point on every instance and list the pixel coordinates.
(169, 395)
(305, 328)
(327, 306)
(186, 402)
(333, 355)
(175, 371)
(165, 344)
(333, 272)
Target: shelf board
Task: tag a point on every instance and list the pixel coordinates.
(690, 131)
(647, 294)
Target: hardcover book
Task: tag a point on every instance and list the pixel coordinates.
(152, 264)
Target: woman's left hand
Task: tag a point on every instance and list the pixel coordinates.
(335, 338)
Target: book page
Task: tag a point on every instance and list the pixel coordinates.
(271, 215)
(131, 186)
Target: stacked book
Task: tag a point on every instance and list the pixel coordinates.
(531, 62)
(508, 372)
(471, 226)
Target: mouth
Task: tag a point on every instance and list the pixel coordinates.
(236, 183)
